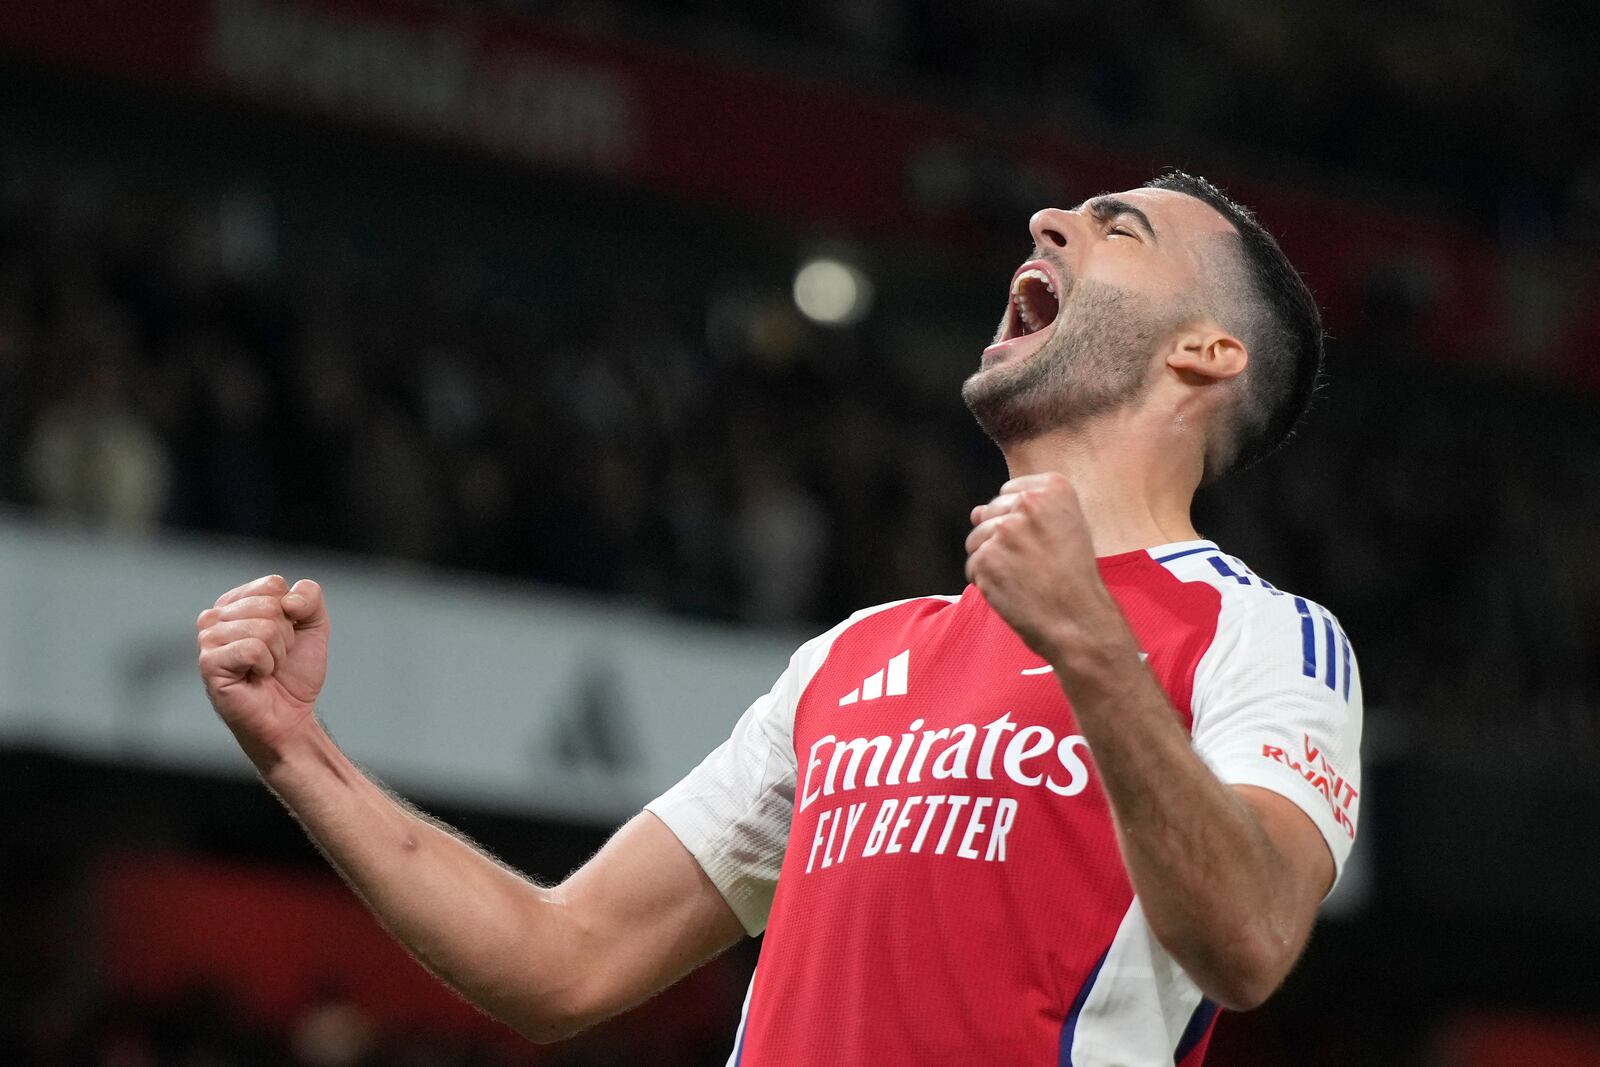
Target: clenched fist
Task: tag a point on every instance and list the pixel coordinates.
(1031, 556)
(263, 658)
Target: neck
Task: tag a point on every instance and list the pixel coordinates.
(1135, 487)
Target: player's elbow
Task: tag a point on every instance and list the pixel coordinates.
(545, 1030)
(567, 1000)
(1241, 993)
(1249, 974)
(554, 1017)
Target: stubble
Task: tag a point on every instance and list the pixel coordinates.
(1097, 361)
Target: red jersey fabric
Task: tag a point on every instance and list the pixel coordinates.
(950, 888)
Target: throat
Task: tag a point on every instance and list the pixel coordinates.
(1129, 499)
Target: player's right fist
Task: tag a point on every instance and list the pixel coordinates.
(263, 658)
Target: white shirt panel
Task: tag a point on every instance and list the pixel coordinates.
(1140, 1003)
(1277, 699)
(733, 811)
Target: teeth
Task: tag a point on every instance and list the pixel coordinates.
(1025, 313)
(1029, 323)
(1033, 273)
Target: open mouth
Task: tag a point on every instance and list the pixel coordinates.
(1033, 303)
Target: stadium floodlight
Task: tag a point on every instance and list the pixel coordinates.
(832, 292)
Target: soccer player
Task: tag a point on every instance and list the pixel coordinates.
(1058, 819)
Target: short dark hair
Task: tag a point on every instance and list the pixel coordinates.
(1281, 329)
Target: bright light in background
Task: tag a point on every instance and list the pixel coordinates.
(832, 292)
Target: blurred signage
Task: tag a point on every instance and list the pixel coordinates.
(506, 698)
(435, 79)
(810, 150)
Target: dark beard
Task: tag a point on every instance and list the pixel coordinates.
(1097, 361)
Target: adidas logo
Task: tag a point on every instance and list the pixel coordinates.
(889, 682)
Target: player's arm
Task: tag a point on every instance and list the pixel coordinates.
(547, 961)
(1229, 877)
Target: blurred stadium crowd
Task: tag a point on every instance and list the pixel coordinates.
(719, 457)
(558, 383)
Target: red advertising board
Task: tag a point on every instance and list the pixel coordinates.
(275, 944)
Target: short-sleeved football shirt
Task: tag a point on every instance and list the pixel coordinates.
(914, 819)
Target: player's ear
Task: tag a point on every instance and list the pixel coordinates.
(1208, 352)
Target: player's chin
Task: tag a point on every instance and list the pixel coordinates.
(1016, 349)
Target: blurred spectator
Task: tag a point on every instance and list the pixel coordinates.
(221, 432)
(316, 442)
(333, 1034)
(96, 461)
(780, 537)
(389, 485)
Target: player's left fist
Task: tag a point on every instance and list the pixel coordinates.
(1031, 556)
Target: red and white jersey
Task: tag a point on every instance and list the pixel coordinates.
(914, 818)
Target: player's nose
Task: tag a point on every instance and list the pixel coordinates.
(1052, 226)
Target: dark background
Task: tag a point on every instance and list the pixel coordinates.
(313, 315)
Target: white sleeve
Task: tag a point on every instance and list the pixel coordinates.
(1277, 704)
(733, 811)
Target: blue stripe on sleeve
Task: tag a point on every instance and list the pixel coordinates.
(1308, 639)
(1333, 659)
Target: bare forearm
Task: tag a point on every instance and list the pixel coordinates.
(1229, 878)
(639, 915)
(494, 936)
(1213, 886)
